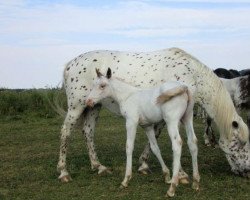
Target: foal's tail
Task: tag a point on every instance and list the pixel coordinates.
(169, 94)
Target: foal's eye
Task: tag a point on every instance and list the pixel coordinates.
(102, 86)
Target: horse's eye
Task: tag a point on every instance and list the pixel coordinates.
(102, 86)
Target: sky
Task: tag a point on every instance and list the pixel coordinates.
(38, 37)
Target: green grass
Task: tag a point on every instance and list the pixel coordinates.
(29, 153)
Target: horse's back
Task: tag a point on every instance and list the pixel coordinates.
(141, 69)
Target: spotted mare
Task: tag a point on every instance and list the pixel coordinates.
(146, 70)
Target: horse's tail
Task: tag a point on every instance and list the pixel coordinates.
(169, 94)
(58, 99)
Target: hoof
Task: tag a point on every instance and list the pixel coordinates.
(195, 185)
(65, 179)
(169, 194)
(171, 191)
(208, 144)
(144, 171)
(104, 170)
(167, 178)
(184, 181)
(123, 185)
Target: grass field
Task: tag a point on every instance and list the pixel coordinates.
(29, 152)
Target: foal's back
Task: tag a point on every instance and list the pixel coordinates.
(152, 109)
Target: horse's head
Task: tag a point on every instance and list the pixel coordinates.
(237, 149)
(101, 88)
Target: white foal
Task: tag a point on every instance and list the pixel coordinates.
(170, 102)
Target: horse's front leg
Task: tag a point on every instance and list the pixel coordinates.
(143, 160)
(90, 119)
(131, 132)
(209, 136)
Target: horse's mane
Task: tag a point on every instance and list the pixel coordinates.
(220, 107)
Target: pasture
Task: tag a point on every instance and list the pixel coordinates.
(29, 144)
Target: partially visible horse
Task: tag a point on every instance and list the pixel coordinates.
(244, 72)
(225, 73)
(147, 70)
(170, 102)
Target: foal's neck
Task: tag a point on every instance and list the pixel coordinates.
(121, 90)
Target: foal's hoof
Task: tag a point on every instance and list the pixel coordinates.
(104, 170)
(65, 179)
(196, 186)
(171, 191)
(184, 180)
(123, 185)
(169, 194)
(167, 178)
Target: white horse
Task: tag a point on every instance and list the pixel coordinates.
(146, 70)
(170, 102)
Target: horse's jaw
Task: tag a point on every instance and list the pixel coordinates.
(238, 156)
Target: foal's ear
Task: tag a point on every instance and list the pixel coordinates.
(108, 75)
(99, 74)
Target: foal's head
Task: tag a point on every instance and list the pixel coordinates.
(101, 88)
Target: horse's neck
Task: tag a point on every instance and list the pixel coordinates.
(121, 91)
(214, 97)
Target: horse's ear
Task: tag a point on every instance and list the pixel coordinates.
(99, 74)
(109, 73)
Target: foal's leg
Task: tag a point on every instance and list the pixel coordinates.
(183, 176)
(69, 122)
(90, 120)
(193, 148)
(131, 132)
(155, 148)
(146, 152)
(176, 147)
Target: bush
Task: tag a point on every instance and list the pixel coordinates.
(38, 101)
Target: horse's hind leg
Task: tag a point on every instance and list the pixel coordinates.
(69, 122)
(90, 119)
